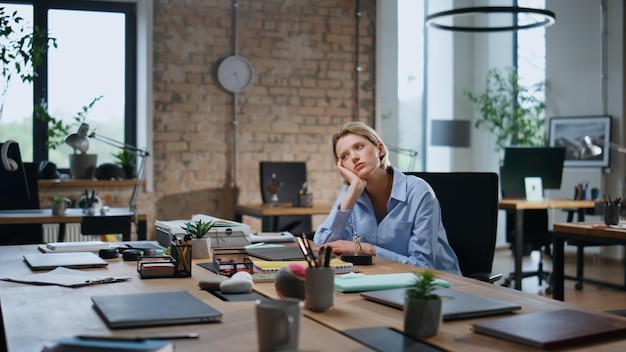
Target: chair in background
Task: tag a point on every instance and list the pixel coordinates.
(536, 238)
(469, 211)
(293, 176)
(23, 233)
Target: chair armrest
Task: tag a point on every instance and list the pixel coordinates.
(486, 277)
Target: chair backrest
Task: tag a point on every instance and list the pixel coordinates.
(23, 233)
(469, 210)
(292, 175)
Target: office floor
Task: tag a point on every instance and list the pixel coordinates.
(590, 296)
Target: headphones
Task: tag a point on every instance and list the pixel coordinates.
(8, 163)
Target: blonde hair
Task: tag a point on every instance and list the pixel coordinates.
(365, 131)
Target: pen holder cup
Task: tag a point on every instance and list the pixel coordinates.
(182, 260)
(305, 200)
(319, 287)
(612, 213)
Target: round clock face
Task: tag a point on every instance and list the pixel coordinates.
(235, 73)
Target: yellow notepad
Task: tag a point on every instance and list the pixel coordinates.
(267, 266)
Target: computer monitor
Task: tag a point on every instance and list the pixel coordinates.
(522, 162)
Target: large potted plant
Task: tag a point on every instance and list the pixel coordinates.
(509, 110)
(422, 307)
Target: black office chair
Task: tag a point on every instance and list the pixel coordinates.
(23, 233)
(536, 238)
(469, 210)
(292, 175)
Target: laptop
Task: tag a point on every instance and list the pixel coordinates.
(72, 260)
(153, 309)
(287, 253)
(456, 305)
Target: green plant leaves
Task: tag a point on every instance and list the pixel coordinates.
(510, 111)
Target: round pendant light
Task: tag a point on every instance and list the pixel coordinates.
(539, 18)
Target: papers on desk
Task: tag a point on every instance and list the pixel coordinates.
(266, 237)
(82, 246)
(66, 277)
(221, 225)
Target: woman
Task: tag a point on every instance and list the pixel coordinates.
(396, 216)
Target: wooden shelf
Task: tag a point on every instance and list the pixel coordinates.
(86, 183)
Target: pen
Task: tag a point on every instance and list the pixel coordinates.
(255, 245)
(327, 255)
(139, 338)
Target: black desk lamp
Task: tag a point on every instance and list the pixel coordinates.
(79, 141)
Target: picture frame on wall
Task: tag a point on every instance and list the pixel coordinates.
(586, 139)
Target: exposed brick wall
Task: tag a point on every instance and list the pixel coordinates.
(304, 56)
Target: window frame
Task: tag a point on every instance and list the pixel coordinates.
(40, 83)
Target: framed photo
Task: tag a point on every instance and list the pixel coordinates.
(586, 139)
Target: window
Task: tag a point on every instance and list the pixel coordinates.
(96, 56)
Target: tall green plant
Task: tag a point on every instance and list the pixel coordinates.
(512, 112)
(22, 50)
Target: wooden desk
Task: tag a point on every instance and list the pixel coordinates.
(580, 232)
(350, 311)
(35, 315)
(517, 206)
(116, 220)
(284, 209)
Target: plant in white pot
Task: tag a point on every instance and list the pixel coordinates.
(422, 307)
(82, 165)
(201, 246)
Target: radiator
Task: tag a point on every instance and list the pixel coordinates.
(72, 233)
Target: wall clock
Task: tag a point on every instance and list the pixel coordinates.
(235, 73)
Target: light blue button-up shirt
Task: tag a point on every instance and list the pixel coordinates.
(410, 233)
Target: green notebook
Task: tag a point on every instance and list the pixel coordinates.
(378, 282)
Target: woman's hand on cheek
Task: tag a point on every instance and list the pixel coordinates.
(347, 175)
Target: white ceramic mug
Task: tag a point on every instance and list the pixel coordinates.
(278, 324)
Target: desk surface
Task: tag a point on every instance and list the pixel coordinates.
(522, 204)
(44, 216)
(52, 312)
(591, 230)
(350, 311)
(283, 209)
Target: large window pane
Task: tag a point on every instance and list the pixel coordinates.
(16, 97)
(88, 63)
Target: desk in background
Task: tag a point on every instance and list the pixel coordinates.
(517, 206)
(284, 209)
(580, 232)
(116, 220)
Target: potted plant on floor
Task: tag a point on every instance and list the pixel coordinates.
(201, 246)
(512, 112)
(422, 307)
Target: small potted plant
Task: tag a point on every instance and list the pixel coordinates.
(126, 159)
(59, 204)
(422, 307)
(201, 246)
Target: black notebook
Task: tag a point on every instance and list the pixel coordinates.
(154, 309)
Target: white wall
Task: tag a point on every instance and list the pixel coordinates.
(574, 73)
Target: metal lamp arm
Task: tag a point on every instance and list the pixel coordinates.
(118, 144)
